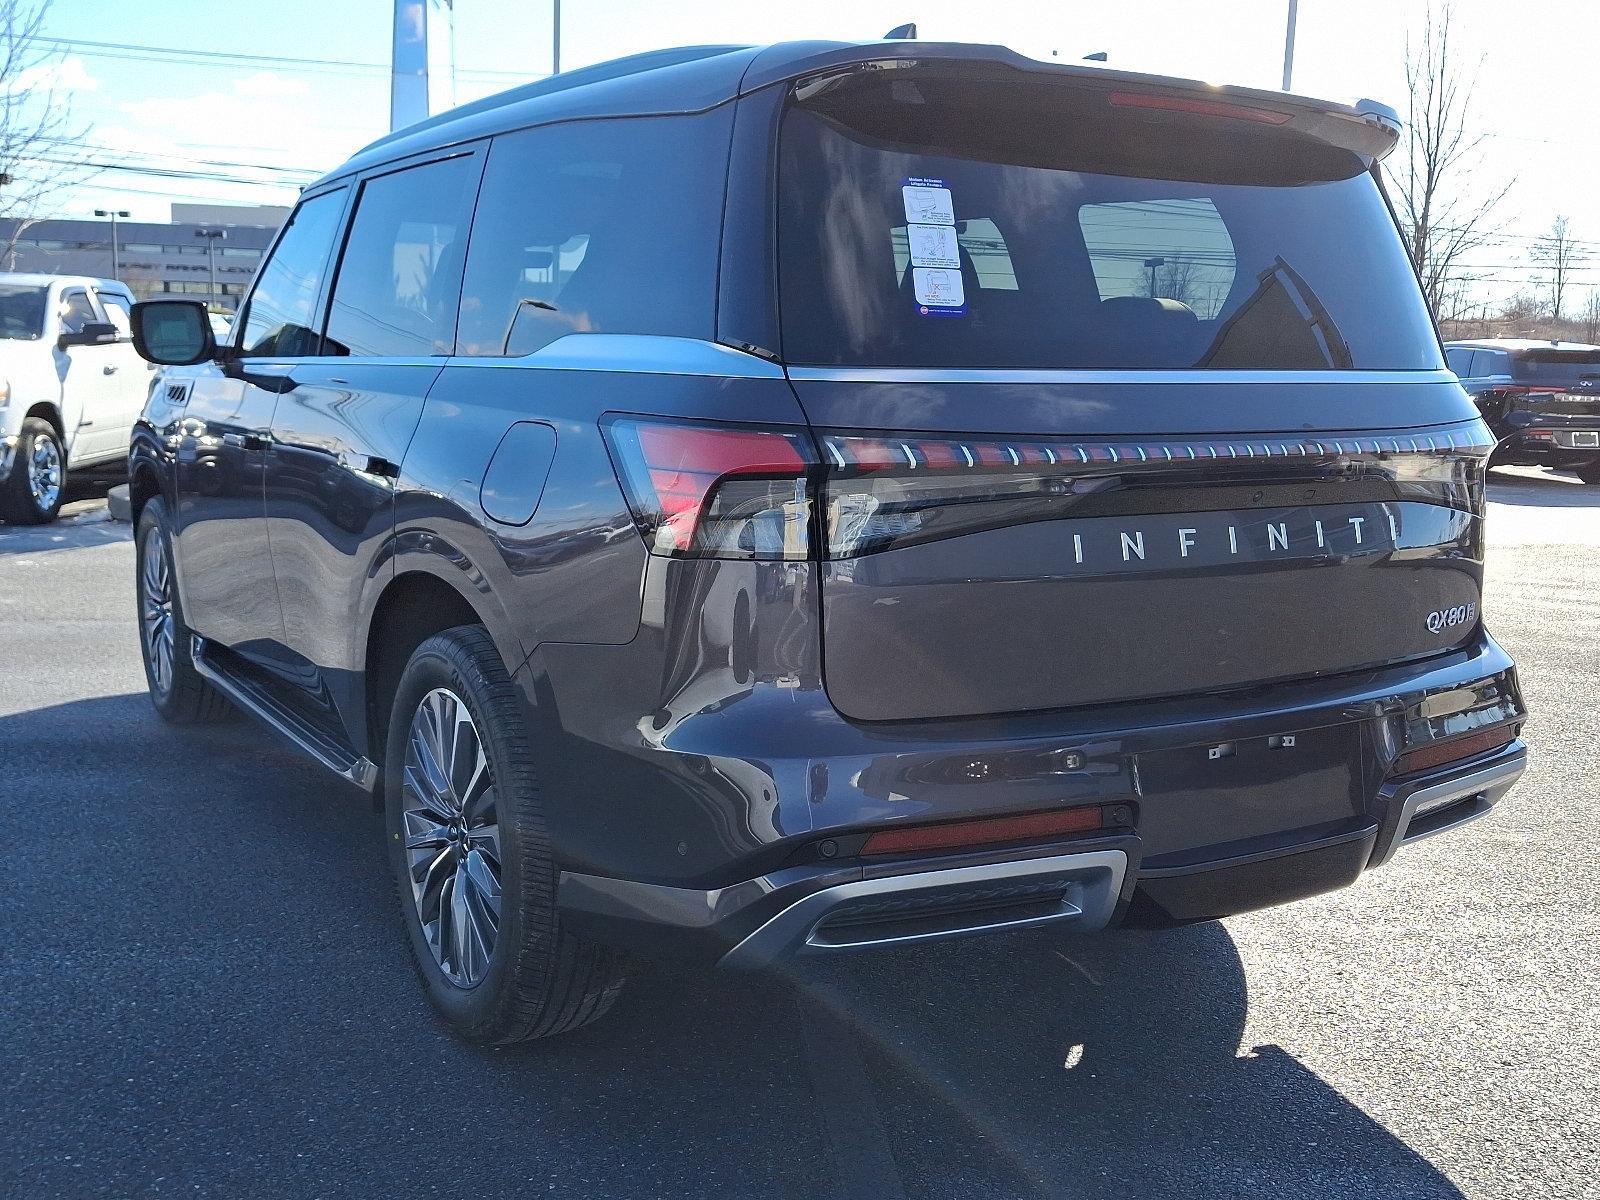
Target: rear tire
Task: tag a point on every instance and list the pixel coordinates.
(470, 849)
(32, 493)
(1590, 473)
(180, 694)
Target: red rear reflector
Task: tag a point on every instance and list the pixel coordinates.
(960, 834)
(1192, 104)
(1438, 753)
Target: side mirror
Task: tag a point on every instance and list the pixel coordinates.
(173, 333)
(93, 333)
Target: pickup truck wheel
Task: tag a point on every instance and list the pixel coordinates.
(180, 694)
(470, 849)
(1590, 473)
(32, 494)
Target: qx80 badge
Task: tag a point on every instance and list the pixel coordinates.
(1441, 619)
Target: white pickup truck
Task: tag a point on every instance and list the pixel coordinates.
(71, 386)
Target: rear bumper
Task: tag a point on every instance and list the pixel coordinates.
(1187, 852)
(1079, 887)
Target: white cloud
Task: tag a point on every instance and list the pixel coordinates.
(64, 75)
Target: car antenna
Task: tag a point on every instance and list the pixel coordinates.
(902, 33)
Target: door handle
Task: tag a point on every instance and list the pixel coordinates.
(109, 369)
(382, 467)
(247, 441)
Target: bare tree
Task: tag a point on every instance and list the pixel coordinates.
(41, 146)
(1557, 251)
(1443, 220)
(1591, 317)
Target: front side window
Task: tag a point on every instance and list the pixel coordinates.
(76, 311)
(399, 279)
(942, 218)
(596, 227)
(280, 318)
(22, 311)
(117, 313)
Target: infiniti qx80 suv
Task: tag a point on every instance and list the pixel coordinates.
(744, 503)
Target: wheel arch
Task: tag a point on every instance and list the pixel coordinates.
(46, 410)
(413, 606)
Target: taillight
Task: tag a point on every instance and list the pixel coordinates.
(715, 491)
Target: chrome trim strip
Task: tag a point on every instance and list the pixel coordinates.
(1024, 375)
(636, 354)
(1483, 787)
(1093, 879)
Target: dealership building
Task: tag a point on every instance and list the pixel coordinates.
(208, 251)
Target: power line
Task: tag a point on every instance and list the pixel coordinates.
(182, 55)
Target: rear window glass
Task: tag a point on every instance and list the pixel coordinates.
(931, 220)
(1551, 367)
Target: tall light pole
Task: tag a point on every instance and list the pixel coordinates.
(1288, 45)
(113, 213)
(211, 236)
(555, 37)
(1152, 264)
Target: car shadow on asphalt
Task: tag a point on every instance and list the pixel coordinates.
(269, 1037)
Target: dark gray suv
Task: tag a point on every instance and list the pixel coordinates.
(739, 503)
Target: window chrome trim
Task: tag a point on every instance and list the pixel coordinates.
(1182, 375)
(636, 354)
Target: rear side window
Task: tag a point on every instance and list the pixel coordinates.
(608, 226)
(1459, 361)
(280, 318)
(399, 279)
(941, 218)
(1553, 368)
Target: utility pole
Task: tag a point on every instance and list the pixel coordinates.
(1288, 45)
(1153, 263)
(555, 44)
(211, 236)
(113, 213)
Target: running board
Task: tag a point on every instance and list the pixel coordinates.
(265, 705)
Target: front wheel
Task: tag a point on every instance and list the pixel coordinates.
(180, 694)
(32, 493)
(470, 849)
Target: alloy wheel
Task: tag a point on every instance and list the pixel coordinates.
(452, 837)
(44, 472)
(155, 611)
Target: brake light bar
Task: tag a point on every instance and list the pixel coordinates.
(962, 834)
(1194, 104)
(1436, 754)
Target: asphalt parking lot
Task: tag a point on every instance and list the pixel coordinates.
(204, 989)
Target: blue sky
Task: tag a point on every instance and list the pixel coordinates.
(1535, 94)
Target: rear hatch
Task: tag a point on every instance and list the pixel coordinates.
(1119, 394)
(1559, 389)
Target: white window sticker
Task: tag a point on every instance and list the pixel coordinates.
(933, 246)
(937, 287)
(927, 202)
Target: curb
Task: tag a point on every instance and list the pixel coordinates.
(118, 504)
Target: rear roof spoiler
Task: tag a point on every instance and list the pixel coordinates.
(1367, 127)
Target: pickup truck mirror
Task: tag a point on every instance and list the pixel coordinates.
(173, 333)
(93, 333)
